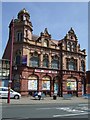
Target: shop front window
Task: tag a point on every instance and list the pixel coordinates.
(32, 85)
(46, 83)
(32, 82)
(71, 85)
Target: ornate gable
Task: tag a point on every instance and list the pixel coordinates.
(46, 34)
(71, 35)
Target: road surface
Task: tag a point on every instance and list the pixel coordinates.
(18, 112)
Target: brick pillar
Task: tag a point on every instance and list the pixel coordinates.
(40, 84)
(88, 88)
(41, 60)
(51, 88)
(24, 87)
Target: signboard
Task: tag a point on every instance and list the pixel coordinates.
(24, 59)
(45, 85)
(45, 71)
(32, 85)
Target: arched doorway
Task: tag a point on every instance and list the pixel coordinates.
(46, 85)
(16, 82)
(56, 84)
(32, 84)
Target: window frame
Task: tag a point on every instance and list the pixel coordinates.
(19, 36)
(68, 46)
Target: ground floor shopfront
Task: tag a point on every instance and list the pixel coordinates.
(29, 80)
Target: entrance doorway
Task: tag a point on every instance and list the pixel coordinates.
(56, 87)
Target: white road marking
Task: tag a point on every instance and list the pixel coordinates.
(67, 109)
(82, 108)
(83, 104)
(46, 108)
(70, 110)
(69, 115)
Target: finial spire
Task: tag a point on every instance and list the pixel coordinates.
(71, 30)
(46, 31)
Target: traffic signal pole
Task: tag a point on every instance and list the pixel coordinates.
(11, 59)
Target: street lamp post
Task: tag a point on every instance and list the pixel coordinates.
(11, 58)
(9, 86)
(61, 82)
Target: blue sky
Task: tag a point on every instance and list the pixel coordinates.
(58, 17)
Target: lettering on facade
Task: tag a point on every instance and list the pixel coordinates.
(45, 71)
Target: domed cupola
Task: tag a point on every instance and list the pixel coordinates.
(23, 15)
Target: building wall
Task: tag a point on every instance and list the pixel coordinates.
(28, 47)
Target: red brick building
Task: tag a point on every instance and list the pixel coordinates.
(41, 63)
(88, 82)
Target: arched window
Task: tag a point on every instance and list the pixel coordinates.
(18, 57)
(46, 83)
(73, 47)
(34, 60)
(32, 82)
(16, 82)
(71, 65)
(55, 62)
(45, 61)
(19, 36)
(45, 43)
(68, 46)
(71, 84)
(82, 65)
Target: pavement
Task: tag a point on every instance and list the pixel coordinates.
(31, 100)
